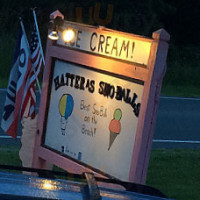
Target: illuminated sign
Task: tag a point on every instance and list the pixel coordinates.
(94, 117)
(109, 43)
(99, 101)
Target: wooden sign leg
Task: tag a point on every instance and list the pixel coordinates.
(148, 112)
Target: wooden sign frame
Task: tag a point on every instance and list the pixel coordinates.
(151, 75)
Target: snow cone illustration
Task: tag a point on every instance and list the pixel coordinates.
(115, 126)
(66, 105)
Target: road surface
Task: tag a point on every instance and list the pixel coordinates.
(177, 124)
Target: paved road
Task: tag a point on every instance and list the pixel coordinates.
(177, 125)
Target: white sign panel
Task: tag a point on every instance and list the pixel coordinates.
(92, 117)
(110, 44)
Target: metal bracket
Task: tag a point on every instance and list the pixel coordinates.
(91, 190)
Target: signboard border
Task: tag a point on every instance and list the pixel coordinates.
(49, 100)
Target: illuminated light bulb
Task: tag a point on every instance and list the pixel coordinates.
(68, 35)
(53, 35)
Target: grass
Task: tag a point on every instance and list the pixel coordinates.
(175, 172)
(9, 155)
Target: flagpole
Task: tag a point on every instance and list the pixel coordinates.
(39, 40)
(22, 25)
(23, 30)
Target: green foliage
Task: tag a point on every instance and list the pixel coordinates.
(183, 69)
(141, 17)
(180, 18)
(6, 56)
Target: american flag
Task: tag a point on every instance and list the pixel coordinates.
(29, 98)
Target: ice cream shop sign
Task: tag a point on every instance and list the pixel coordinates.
(99, 101)
(92, 110)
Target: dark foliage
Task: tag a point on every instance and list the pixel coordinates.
(180, 18)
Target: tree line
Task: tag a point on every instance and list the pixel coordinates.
(180, 18)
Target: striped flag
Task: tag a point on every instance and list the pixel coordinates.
(18, 76)
(29, 98)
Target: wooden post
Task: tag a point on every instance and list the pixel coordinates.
(148, 112)
(38, 162)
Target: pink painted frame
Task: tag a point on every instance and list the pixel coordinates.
(152, 77)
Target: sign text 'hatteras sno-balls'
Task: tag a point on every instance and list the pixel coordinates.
(106, 89)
